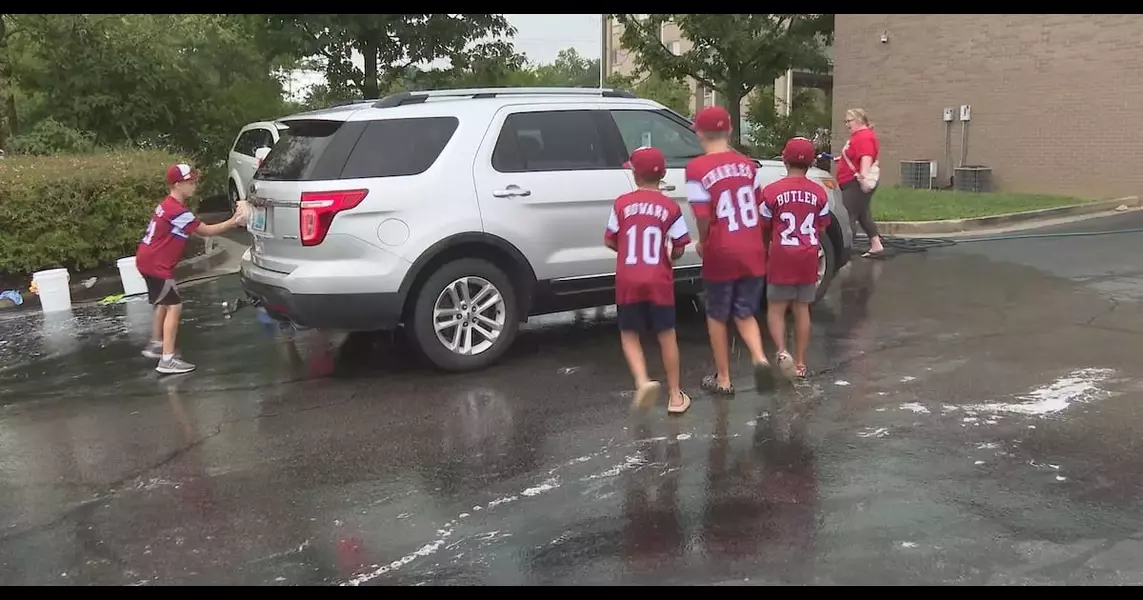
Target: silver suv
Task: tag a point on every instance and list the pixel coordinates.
(460, 213)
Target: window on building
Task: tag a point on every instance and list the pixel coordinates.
(676, 48)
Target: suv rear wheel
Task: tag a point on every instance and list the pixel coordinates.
(465, 315)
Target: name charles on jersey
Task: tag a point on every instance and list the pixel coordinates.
(720, 172)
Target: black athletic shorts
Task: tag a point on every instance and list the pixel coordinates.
(645, 316)
(162, 292)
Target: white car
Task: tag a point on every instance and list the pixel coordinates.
(459, 213)
(252, 145)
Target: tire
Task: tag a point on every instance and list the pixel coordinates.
(435, 289)
(232, 195)
(830, 267)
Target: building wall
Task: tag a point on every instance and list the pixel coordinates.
(1057, 100)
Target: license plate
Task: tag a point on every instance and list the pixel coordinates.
(258, 219)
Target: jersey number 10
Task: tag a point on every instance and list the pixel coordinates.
(651, 250)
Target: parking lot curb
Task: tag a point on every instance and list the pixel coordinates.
(996, 221)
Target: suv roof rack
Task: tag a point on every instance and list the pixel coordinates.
(405, 98)
(349, 102)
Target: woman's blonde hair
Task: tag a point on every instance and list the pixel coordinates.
(859, 115)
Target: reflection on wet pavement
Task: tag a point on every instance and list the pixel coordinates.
(972, 419)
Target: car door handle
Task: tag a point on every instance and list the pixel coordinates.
(512, 190)
(667, 188)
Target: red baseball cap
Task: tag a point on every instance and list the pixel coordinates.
(181, 172)
(647, 163)
(798, 151)
(712, 118)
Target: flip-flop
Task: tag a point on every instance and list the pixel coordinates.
(764, 376)
(678, 410)
(801, 371)
(875, 255)
(710, 384)
(647, 394)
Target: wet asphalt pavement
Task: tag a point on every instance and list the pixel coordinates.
(974, 419)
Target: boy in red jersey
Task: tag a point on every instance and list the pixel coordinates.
(159, 251)
(638, 229)
(796, 212)
(721, 189)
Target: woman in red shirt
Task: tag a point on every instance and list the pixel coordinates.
(857, 158)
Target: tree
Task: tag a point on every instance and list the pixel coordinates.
(675, 95)
(389, 44)
(731, 54)
(8, 125)
(181, 81)
(809, 115)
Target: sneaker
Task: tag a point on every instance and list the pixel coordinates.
(153, 350)
(174, 366)
(786, 365)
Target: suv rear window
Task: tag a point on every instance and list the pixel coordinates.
(296, 154)
(313, 149)
(396, 147)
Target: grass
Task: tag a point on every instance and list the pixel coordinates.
(905, 204)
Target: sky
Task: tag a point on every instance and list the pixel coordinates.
(540, 37)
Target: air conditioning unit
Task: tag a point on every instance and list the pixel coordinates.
(918, 174)
(972, 178)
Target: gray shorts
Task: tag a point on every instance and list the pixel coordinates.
(791, 293)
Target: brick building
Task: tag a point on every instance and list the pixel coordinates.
(1056, 100)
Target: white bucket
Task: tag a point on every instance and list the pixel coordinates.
(52, 286)
(133, 283)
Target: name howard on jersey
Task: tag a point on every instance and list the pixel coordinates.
(646, 208)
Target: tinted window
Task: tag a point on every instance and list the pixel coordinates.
(298, 149)
(395, 147)
(247, 142)
(549, 141)
(650, 128)
(263, 139)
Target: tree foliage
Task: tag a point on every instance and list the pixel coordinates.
(186, 81)
(390, 45)
(732, 54)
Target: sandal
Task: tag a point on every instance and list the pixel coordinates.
(647, 394)
(680, 409)
(710, 384)
(764, 376)
(801, 371)
(875, 255)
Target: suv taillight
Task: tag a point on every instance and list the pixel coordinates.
(318, 210)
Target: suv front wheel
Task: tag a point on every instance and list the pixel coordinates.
(465, 316)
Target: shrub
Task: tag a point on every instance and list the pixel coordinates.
(50, 137)
(79, 211)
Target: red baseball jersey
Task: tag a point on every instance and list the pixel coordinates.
(797, 211)
(641, 225)
(162, 246)
(723, 187)
(862, 143)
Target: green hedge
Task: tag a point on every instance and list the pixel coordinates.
(78, 212)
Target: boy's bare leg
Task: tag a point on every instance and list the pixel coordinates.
(633, 352)
(669, 349)
(752, 337)
(157, 325)
(776, 321)
(801, 332)
(720, 348)
(171, 328)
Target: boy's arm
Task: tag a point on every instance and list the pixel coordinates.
(207, 230)
(679, 235)
(767, 214)
(609, 235)
(699, 200)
